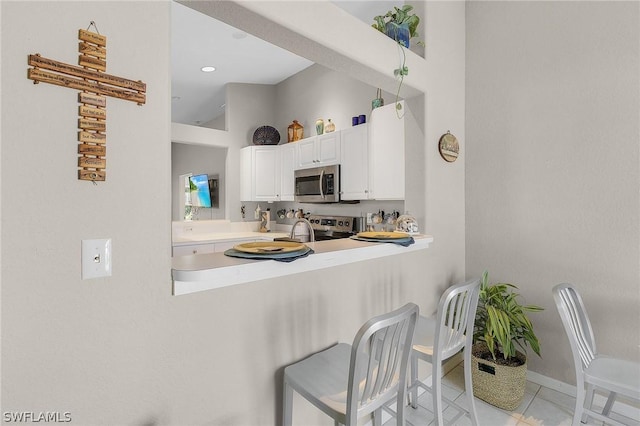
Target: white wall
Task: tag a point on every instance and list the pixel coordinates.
(318, 92)
(122, 350)
(444, 31)
(95, 348)
(552, 163)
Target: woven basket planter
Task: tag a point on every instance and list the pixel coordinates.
(499, 385)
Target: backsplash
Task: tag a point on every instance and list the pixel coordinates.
(338, 209)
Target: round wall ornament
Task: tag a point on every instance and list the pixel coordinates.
(448, 147)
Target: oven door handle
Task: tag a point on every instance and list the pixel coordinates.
(322, 183)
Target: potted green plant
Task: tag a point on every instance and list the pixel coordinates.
(501, 328)
(399, 24)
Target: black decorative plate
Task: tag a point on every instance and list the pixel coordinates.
(266, 135)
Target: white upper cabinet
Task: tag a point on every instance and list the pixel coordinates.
(354, 163)
(372, 164)
(322, 150)
(371, 158)
(260, 173)
(287, 167)
(386, 153)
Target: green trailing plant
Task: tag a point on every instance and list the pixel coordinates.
(397, 17)
(502, 322)
(400, 73)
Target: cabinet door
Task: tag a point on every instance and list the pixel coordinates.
(259, 173)
(386, 154)
(307, 153)
(328, 149)
(287, 167)
(354, 163)
(266, 165)
(193, 249)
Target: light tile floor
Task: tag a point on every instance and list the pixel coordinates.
(541, 406)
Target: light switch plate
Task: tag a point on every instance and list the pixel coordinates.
(96, 258)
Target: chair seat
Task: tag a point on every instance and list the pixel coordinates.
(618, 375)
(323, 377)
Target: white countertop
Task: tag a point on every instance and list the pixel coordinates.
(218, 237)
(200, 272)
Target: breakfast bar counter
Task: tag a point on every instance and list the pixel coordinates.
(200, 272)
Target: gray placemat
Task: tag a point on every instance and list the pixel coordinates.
(405, 242)
(281, 257)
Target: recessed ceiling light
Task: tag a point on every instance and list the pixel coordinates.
(208, 69)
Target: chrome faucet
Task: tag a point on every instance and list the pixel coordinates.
(305, 221)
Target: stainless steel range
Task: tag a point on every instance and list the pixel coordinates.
(333, 227)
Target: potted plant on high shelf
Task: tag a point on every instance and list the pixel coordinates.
(400, 24)
(499, 369)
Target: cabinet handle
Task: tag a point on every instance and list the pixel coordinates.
(366, 191)
(195, 252)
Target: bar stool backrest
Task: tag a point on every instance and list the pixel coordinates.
(379, 358)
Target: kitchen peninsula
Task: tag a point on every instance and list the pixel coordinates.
(195, 273)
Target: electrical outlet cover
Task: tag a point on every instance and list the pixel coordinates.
(96, 258)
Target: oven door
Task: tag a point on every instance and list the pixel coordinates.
(318, 185)
(330, 235)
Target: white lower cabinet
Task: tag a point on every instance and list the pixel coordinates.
(226, 245)
(210, 247)
(193, 249)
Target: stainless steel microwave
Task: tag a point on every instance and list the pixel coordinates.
(318, 185)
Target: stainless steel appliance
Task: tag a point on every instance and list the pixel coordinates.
(333, 227)
(318, 185)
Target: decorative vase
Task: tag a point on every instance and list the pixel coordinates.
(399, 33)
(378, 101)
(499, 385)
(330, 127)
(295, 131)
(319, 126)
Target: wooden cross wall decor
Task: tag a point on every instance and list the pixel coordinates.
(90, 78)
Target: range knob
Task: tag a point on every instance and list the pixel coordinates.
(346, 223)
(339, 223)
